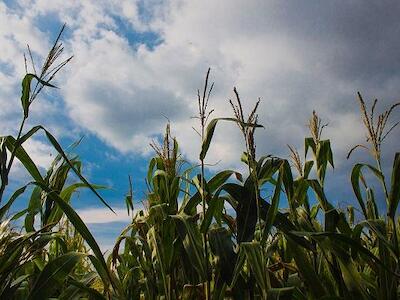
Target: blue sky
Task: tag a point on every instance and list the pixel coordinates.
(138, 61)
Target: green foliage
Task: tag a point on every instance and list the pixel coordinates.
(222, 237)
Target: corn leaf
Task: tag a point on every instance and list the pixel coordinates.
(210, 132)
(53, 275)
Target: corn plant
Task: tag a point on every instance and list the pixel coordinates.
(226, 235)
(40, 263)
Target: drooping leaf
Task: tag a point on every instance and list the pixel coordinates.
(210, 132)
(79, 225)
(246, 210)
(191, 238)
(53, 275)
(323, 157)
(319, 192)
(59, 149)
(273, 209)
(216, 182)
(257, 263)
(309, 143)
(13, 197)
(66, 195)
(306, 270)
(26, 91)
(222, 247)
(356, 176)
(77, 288)
(24, 158)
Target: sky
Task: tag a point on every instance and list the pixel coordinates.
(138, 64)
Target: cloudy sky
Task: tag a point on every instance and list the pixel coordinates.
(137, 63)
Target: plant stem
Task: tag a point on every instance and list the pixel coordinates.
(207, 291)
(252, 166)
(203, 119)
(203, 200)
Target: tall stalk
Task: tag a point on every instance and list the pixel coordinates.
(248, 135)
(203, 117)
(46, 75)
(376, 134)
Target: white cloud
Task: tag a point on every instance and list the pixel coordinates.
(42, 154)
(103, 215)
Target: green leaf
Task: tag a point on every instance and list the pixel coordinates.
(26, 91)
(319, 192)
(351, 276)
(394, 196)
(372, 208)
(66, 195)
(241, 257)
(216, 182)
(210, 132)
(314, 211)
(34, 207)
(3, 161)
(281, 293)
(220, 178)
(158, 254)
(192, 243)
(340, 239)
(150, 171)
(323, 157)
(14, 197)
(356, 176)
(53, 275)
(59, 149)
(79, 225)
(77, 288)
(214, 209)
(379, 228)
(216, 204)
(246, 210)
(222, 247)
(306, 270)
(207, 139)
(309, 143)
(273, 209)
(24, 158)
(266, 169)
(256, 261)
(98, 264)
(307, 168)
(287, 179)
